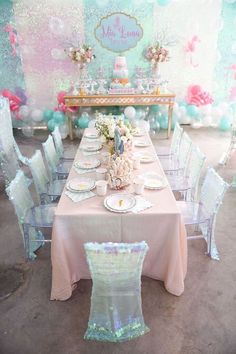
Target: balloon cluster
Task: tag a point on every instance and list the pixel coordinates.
(196, 96)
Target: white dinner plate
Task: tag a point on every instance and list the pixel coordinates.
(153, 180)
(141, 143)
(91, 147)
(79, 185)
(91, 135)
(120, 202)
(146, 158)
(87, 165)
(138, 133)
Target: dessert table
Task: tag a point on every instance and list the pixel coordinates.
(161, 226)
(121, 100)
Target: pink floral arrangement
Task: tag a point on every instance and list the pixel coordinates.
(157, 54)
(81, 55)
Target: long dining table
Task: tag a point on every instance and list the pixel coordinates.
(161, 226)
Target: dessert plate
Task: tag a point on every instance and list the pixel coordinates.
(138, 133)
(87, 165)
(91, 147)
(141, 143)
(79, 185)
(91, 135)
(146, 158)
(120, 203)
(153, 180)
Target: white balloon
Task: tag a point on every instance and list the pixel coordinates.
(64, 130)
(182, 110)
(24, 112)
(206, 109)
(28, 131)
(207, 121)
(224, 106)
(196, 125)
(217, 112)
(37, 115)
(185, 119)
(130, 112)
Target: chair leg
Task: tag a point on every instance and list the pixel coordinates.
(27, 241)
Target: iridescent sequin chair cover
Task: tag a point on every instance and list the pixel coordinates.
(59, 145)
(177, 163)
(116, 308)
(31, 218)
(187, 184)
(175, 143)
(9, 164)
(6, 131)
(58, 170)
(204, 212)
(48, 190)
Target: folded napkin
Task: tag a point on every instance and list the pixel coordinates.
(81, 171)
(87, 153)
(141, 204)
(78, 197)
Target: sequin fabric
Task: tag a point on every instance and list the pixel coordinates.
(116, 308)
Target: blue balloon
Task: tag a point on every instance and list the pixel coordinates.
(224, 124)
(47, 114)
(159, 117)
(51, 124)
(59, 117)
(163, 2)
(192, 110)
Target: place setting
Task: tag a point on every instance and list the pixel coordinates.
(141, 143)
(86, 166)
(78, 189)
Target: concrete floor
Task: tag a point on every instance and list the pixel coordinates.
(202, 320)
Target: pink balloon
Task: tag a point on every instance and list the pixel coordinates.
(60, 97)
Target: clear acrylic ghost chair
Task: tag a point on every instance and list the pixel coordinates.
(48, 190)
(59, 146)
(175, 143)
(177, 163)
(58, 169)
(9, 164)
(203, 214)
(232, 146)
(116, 306)
(31, 218)
(143, 125)
(187, 183)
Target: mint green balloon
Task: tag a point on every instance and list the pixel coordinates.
(192, 110)
(83, 121)
(51, 124)
(224, 124)
(59, 117)
(155, 109)
(47, 114)
(164, 123)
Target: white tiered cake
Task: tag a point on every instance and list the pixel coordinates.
(120, 81)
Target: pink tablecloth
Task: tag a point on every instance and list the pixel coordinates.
(160, 226)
